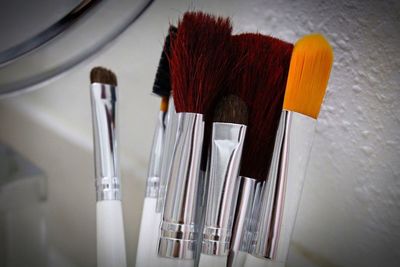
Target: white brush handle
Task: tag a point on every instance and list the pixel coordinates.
(110, 234)
(147, 252)
(149, 233)
(212, 260)
(169, 262)
(252, 261)
(239, 259)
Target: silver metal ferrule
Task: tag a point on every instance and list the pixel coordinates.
(104, 114)
(153, 173)
(169, 145)
(226, 153)
(179, 228)
(284, 187)
(250, 215)
(244, 202)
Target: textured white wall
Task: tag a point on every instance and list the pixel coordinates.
(350, 211)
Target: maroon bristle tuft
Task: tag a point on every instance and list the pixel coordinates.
(199, 62)
(259, 78)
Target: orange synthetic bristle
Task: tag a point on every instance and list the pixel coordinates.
(199, 61)
(308, 77)
(259, 78)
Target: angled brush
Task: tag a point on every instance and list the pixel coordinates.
(109, 226)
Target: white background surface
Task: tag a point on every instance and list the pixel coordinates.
(349, 213)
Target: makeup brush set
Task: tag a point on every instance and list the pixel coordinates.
(229, 152)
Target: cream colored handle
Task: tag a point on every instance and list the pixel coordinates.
(111, 250)
(148, 237)
(252, 261)
(212, 260)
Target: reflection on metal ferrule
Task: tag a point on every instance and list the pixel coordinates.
(246, 216)
(284, 187)
(168, 148)
(179, 230)
(108, 188)
(226, 152)
(251, 216)
(153, 173)
(273, 196)
(104, 113)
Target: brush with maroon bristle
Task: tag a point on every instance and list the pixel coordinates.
(198, 65)
(262, 66)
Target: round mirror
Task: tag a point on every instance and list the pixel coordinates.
(43, 38)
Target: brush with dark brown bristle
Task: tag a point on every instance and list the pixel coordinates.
(260, 81)
(228, 135)
(103, 75)
(231, 109)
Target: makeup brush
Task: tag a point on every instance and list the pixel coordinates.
(228, 135)
(200, 53)
(109, 227)
(150, 222)
(262, 64)
(310, 67)
(170, 120)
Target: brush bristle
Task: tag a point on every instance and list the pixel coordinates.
(164, 104)
(259, 79)
(309, 72)
(162, 81)
(103, 75)
(199, 61)
(231, 109)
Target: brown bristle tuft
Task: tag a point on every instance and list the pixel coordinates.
(199, 61)
(231, 109)
(260, 79)
(103, 75)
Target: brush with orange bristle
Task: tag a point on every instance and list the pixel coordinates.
(261, 70)
(148, 236)
(198, 64)
(308, 77)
